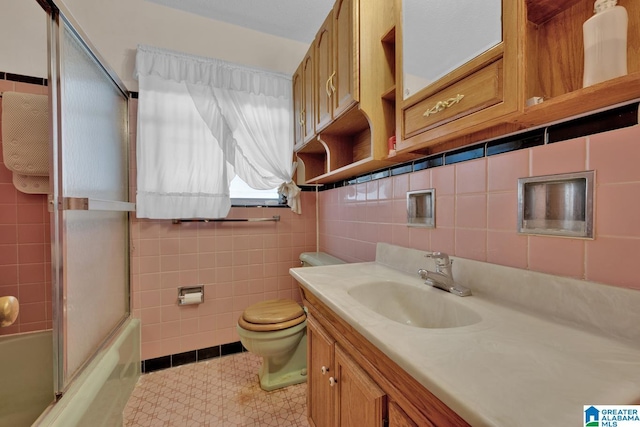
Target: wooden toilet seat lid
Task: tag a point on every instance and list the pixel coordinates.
(273, 311)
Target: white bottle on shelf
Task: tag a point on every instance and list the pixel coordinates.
(605, 43)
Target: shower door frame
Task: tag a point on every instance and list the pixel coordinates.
(58, 18)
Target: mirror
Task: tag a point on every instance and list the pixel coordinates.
(441, 35)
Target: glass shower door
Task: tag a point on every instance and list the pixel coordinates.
(89, 218)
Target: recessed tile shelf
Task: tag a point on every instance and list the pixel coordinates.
(558, 205)
(421, 208)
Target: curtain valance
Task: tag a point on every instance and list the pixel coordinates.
(214, 73)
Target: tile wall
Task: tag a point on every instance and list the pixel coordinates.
(476, 211)
(25, 254)
(238, 264)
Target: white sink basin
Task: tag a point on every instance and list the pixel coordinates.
(413, 306)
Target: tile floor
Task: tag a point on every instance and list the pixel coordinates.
(217, 392)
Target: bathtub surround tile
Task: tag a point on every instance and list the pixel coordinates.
(218, 392)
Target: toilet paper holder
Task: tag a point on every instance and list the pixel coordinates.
(189, 295)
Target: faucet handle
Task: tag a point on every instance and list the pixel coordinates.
(440, 258)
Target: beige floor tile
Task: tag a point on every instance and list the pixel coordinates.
(217, 392)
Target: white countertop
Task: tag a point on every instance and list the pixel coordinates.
(515, 367)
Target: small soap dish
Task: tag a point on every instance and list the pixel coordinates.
(557, 205)
(421, 208)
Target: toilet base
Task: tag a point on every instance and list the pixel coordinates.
(282, 371)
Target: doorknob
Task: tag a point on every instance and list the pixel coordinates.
(9, 309)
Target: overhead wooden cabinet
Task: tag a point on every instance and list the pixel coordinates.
(554, 62)
(304, 101)
(352, 120)
(531, 77)
(459, 81)
(324, 73)
(298, 107)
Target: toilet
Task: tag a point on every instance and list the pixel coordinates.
(277, 331)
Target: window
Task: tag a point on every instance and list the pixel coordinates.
(243, 195)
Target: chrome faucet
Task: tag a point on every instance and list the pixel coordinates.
(442, 278)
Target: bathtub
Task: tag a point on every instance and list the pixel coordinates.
(26, 367)
(97, 397)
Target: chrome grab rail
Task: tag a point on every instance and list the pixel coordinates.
(273, 218)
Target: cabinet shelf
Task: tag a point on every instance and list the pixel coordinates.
(602, 95)
(555, 62)
(540, 11)
(389, 94)
(389, 36)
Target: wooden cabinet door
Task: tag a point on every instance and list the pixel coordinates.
(343, 84)
(320, 367)
(324, 71)
(359, 402)
(399, 418)
(298, 107)
(309, 94)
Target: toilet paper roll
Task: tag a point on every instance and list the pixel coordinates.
(191, 298)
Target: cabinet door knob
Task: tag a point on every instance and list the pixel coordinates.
(443, 105)
(332, 381)
(326, 87)
(324, 370)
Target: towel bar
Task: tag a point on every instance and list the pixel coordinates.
(273, 218)
(88, 204)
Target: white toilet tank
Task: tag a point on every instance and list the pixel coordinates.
(313, 259)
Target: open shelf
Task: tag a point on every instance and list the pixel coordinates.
(555, 60)
(389, 94)
(540, 11)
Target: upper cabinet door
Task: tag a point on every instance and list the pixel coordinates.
(309, 92)
(298, 107)
(441, 35)
(344, 83)
(324, 71)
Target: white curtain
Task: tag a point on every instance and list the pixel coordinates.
(201, 121)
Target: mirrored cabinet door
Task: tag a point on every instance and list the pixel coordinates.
(441, 35)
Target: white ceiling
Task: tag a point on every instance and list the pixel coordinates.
(292, 19)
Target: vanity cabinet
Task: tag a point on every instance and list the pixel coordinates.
(339, 392)
(320, 368)
(399, 418)
(353, 120)
(352, 383)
